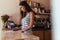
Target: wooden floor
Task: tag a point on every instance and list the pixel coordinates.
(41, 35)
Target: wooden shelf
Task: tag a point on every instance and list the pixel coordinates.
(33, 6)
(43, 14)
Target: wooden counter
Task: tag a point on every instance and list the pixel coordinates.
(17, 35)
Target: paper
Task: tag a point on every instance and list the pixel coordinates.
(9, 31)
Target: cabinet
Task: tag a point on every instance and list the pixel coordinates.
(41, 35)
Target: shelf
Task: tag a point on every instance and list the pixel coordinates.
(33, 6)
(43, 14)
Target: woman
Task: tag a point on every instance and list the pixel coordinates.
(27, 17)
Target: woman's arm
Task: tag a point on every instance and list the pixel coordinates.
(31, 22)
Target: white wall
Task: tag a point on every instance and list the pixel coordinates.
(9, 6)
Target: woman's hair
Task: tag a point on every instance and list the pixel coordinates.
(25, 4)
(28, 9)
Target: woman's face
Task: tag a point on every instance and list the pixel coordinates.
(23, 8)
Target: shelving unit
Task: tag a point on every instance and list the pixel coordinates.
(43, 14)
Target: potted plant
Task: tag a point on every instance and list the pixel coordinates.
(4, 18)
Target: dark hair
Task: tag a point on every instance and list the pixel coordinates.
(25, 4)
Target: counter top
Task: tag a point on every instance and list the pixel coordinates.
(17, 35)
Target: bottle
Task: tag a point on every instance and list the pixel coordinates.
(39, 11)
(30, 3)
(43, 10)
(36, 10)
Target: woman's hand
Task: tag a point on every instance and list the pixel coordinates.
(22, 31)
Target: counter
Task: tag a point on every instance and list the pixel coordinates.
(17, 35)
